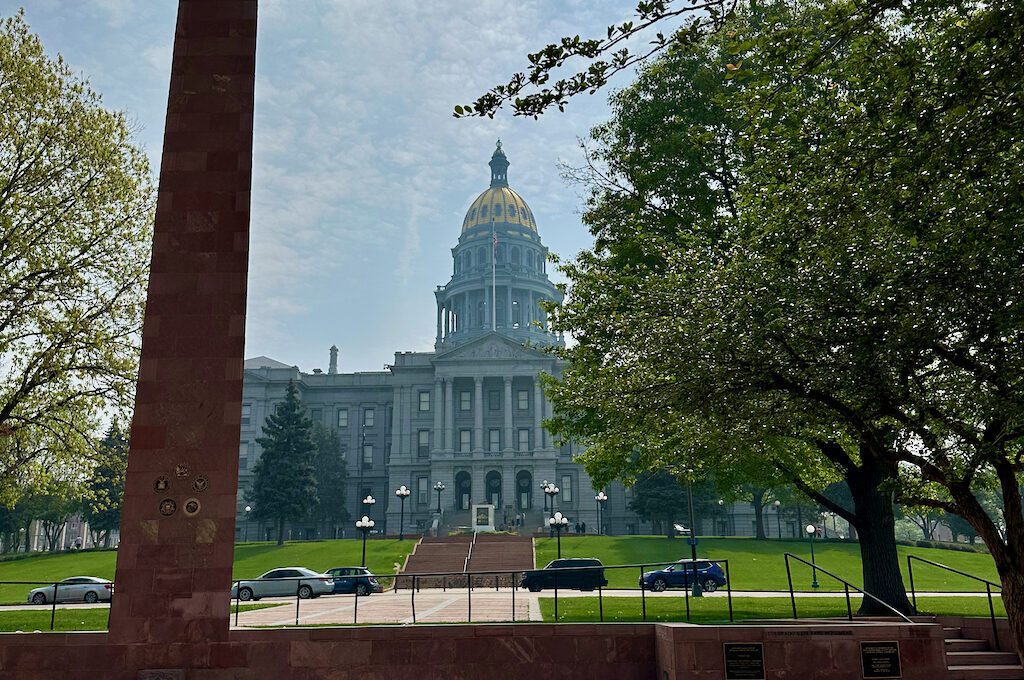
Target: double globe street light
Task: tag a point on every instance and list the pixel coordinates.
(601, 499)
(558, 522)
(550, 491)
(402, 493)
(365, 525)
(439, 487)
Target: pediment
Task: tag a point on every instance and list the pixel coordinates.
(493, 347)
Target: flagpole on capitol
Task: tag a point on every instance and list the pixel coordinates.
(494, 284)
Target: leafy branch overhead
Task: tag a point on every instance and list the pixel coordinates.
(658, 26)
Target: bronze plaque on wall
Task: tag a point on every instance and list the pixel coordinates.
(880, 659)
(744, 660)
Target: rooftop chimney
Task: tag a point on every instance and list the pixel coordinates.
(332, 369)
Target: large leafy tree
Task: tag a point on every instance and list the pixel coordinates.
(330, 472)
(844, 300)
(75, 215)
(101, 507)
(284, 484)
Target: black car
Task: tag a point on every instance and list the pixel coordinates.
(566, 573)
(357, 580)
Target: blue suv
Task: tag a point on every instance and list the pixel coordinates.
(680, 575)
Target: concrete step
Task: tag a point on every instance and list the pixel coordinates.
(981, 658)
(952, 633)
(1001, 672)
(966, 645)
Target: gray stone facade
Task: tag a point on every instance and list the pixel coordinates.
(468, 414)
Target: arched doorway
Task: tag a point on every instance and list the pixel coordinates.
(524, 490)
(492, 487)
(463, 490)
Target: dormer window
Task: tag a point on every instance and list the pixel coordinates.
(497, 210)
(483, 211)
(511, 211)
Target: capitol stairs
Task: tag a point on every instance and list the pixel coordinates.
(469, 552)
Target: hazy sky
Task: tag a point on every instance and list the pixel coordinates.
(361, 175)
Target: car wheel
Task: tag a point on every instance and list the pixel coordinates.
(39, 598)
(91, 597)
(659, 585)
(245, 594)
(534, 589)
(709, 585)
(305, 592)
(361, 589)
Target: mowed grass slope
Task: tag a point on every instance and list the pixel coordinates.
(715, 609)
(251, 560)
(759, 565)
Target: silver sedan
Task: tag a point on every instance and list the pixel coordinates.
(75, 589)
(284, 582)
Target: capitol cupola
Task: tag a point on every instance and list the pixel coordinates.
(499, 273)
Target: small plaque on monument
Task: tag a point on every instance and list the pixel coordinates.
(744, 660)
(880, 659)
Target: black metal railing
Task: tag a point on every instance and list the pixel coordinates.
(846, 587)
(51, 594)
(988, 590)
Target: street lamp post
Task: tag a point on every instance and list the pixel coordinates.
(544, 488)
(721, 505)
(550, 491)
(402, 492)
(368, 503)
(245, 531)
(601, 499)
(558, 522)
(364, 525)
(439, 487)
(697, 592)
(778, 522)
(811, 530)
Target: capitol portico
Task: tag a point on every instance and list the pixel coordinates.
(469, 414)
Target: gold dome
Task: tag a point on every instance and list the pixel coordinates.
(501, 204)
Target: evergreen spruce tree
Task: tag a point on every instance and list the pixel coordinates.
(330, 473)
(284, 487)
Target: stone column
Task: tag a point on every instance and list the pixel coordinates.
(440, 314)
(478, 414)
(538, 415)
(449, 415)
(437, 405)
(177, 536)
(509, 444)
(396, 423)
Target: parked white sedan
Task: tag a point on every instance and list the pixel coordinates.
(75, 589)
(285, 582)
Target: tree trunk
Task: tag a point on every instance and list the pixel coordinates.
(280, 531)
(669, 528)
(758, 504)
(28, 537)
(1012, 580)
(876, 527)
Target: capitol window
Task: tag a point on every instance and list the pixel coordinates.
(464, 401)
(464, 441)
(523, 400)
(494, 400)
(246, 413)
(342, 417)
(524, 440)
(494, 440)
(368, 416)
(367, 455)
(424, 401)
(423, 443)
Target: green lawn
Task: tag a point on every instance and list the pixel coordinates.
(75, 619)
(251, 560)
(716, 609)
(759, 565)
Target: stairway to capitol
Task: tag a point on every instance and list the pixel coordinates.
(466, 553)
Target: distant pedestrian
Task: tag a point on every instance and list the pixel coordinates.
(576, 528)
(583, 527)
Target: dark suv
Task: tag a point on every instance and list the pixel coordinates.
(357, 580)
(565, 573)
(680, 575)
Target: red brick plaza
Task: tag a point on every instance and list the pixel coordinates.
(169, 620)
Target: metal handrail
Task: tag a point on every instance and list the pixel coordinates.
(846, 585)
(988, 590)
